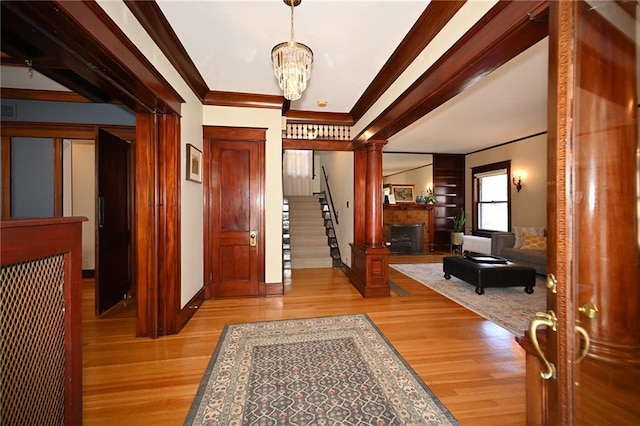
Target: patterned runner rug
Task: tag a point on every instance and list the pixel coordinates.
(337, 370)
(509, 307)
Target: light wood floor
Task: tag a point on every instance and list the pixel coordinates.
(473, 366)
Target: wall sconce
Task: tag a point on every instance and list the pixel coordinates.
(518, 184)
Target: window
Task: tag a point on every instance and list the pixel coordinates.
(491, 198)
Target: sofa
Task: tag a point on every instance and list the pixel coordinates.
(505, 244)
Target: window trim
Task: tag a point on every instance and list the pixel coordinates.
(475, 194)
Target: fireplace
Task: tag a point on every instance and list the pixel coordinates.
(406, 239)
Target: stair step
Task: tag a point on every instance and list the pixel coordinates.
(315, 241)
(311, 263)
(303, 233)
(308, 241)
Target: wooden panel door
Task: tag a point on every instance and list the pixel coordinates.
(234, 240)
(113, 256)
(594, 251)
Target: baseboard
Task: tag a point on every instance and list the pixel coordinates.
(270, 289)
(88, 273)
(189, 310)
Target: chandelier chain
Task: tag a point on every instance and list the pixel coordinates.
(292, 6)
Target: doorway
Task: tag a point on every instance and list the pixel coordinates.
(113, 222)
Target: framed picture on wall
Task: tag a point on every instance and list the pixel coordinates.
(404, 193)
(194, 164)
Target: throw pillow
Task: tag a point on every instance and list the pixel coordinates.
(533, 242)
(518, 231)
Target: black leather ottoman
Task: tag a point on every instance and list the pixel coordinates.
(483, 275)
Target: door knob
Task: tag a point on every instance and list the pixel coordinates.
(550, 320)
(589, 310)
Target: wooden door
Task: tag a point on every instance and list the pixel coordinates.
(593, 216)
(234, 224)
(113, 257)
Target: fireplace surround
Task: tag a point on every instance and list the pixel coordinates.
(406, 238)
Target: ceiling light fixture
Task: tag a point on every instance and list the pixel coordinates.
(292, 63)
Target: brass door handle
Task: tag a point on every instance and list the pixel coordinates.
(253, 238)
(550, 320)
(552, 283)
(589, 310)
(587, 342)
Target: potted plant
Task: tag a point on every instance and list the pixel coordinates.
(457, 233)
(430, 198)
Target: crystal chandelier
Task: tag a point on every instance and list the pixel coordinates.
(292, 63)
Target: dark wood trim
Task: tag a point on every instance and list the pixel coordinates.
(207, 226)
(315, 117)
(429, 24)
(243, 100)
(270, 289)
(169, 235)
(190, 309)
(489, 148)
(57, 177)
(62, 130)
(146, 225)
(157, 224)
(42, 95)
(359, 191)
(234, 133)
(78, 45)
(504, 32)
(88, 273)
(6, 176)
(150, 16)
(562, 21)
(317, 144)
(475, 195)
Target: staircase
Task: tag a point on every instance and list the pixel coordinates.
(308, 241)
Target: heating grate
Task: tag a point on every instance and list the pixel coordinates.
(32, 353)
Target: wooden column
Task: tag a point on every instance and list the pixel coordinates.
(370, 261)
(373, 207)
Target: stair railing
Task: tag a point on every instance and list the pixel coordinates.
(333, 209)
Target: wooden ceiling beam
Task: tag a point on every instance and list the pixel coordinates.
(504, 32)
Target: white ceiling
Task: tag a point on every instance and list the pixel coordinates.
(230, 43)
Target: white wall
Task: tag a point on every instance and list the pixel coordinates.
(271, 120)
(529, 206)
(339, 168)
(83, 196)
(79, 192)
(317, 167)
(191, 196)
